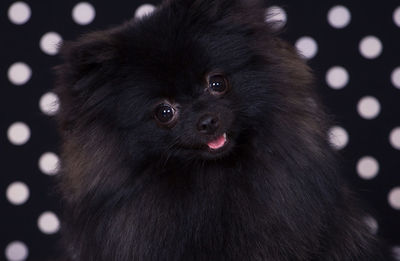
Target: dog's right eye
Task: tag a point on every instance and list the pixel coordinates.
(165, 113)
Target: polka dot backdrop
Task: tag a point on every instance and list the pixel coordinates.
(353, 47)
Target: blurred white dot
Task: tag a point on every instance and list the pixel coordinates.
(396, 252)
(368, 107)
(144, 10)
(307, 46)
(49, 103)
(396, 77)
(17, 193)
(276, 16)
(394, 198)
(372, 224)
(394, 138)
(48, 223)
(396, 16)
(338, 137)
(18, 133)
(337, 77)
(83, 13)
(19, 12)
(16, 251)
(370, 47)
(367, 167)
(19, 73)
(49, 43)
(339, 16)
(49, 163)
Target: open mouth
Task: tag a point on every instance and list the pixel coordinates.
(218, 143)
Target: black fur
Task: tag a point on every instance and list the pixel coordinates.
(135, 190)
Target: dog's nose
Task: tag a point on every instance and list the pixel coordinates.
(208, 124)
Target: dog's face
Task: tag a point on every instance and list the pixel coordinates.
(192, 100)
(192, 81)
(200, 121)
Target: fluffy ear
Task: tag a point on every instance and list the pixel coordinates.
(88, 54)
(86, 62)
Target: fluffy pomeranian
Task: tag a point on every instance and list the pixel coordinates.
(195, 134)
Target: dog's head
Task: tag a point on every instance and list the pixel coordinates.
(195, 80)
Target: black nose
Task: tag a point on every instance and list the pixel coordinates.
(208, 124)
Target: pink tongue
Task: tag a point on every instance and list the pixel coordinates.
(218, 143)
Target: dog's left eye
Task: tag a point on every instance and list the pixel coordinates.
(218, 84)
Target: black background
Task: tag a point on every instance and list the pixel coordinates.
(336, 47)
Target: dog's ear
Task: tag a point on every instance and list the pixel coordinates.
(90, 53)
(86, 63)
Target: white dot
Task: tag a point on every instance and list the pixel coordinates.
(17, 193)
(338, 137)
(83, 13)
(19, 73)
(339, 16)
(49, 163)
(396, 252)
(370, 47)
(372, 224)
(396, 16)
(276, 16)
(396, 77)
(48, 222)
(337, 77)
(368, 107)
(394, 138)
(394, 198)
(367, 167)
(50, 43)
(16, 251)
(144, 10)
(307, 46)
(19, 13)
(49, 103)
(18, 133)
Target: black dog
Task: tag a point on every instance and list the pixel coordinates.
(195, 134)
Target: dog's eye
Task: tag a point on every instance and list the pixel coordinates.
(164, 113)
(218, 84)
